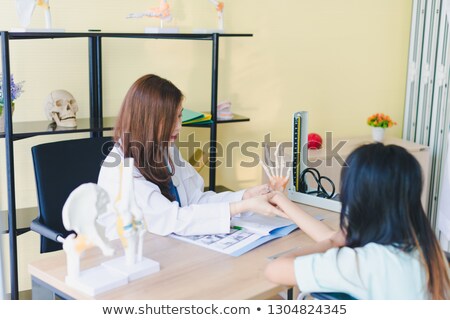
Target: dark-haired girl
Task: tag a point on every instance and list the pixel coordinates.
(385, 248)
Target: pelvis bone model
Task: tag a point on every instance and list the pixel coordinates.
(79, 214)
(62, 108)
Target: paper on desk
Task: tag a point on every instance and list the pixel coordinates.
(238, 242)
(226, 243)
(259, 224)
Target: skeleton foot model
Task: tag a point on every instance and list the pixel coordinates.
(162, 13)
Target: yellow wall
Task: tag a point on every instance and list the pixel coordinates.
(341, 60)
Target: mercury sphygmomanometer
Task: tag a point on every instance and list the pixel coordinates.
(299, 190)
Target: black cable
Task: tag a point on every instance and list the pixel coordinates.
(320, 191)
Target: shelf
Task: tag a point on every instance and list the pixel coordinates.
(61, 35)
(219, 189)
(38, 128)
(236, 118)
(24, 217)
(95, 123)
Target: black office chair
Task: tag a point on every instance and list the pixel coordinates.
(59, 168)
(332, 296)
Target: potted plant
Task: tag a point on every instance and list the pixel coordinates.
(16, 91)
(379, 122)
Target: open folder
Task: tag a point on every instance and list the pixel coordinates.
(247, 232)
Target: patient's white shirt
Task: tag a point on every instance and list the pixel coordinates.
(370, 272)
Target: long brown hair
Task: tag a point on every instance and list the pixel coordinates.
(146, 119)
(380, 193)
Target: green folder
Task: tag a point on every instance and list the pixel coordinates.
(189, 115)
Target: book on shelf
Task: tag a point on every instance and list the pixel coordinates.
(191, 117)
(247, 232)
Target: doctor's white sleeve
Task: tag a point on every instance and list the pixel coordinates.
(164, 217)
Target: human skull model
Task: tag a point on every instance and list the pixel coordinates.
(62, 108)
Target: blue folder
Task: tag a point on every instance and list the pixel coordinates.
(274, 234)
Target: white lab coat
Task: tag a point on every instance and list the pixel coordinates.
(200, 212)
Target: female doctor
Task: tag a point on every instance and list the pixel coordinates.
(167, 188)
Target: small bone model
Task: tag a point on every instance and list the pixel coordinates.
(277, 179)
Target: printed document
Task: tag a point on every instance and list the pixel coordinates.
(247, 233)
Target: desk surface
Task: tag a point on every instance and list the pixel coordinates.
(187, 271)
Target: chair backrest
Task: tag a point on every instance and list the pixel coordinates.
(59, 168)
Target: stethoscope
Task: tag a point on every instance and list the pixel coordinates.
(320, 191)
(175, 180)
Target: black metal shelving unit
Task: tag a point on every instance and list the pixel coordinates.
(95, 125)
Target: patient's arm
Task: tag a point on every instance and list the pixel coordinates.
(282, 270)
(317, 230)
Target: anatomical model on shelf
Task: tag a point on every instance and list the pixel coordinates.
(279, 173)
(61, 107)
(162, 13)
(25, 9)
(79, 214)
(219, 8)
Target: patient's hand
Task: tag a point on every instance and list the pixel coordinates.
(259, 204)
(256, 191)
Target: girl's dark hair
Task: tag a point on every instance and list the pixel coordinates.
(146, 119)
(381, 192)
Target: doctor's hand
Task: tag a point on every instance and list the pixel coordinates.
(256, 191)
(259, 204)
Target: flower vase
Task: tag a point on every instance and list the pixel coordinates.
(378, 134)
(2, 116)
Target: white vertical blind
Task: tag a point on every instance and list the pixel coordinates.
(415, 57)
(427, 118)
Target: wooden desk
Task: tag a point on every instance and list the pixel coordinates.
(187, 271)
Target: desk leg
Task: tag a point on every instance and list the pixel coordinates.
(42, 291)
